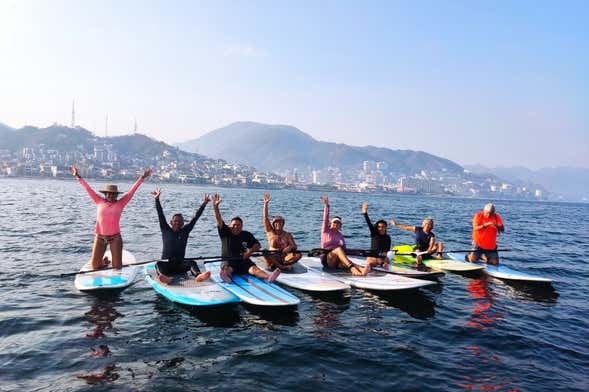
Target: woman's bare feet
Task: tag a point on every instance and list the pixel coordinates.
(203, 276)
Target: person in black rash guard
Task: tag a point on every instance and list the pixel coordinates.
(425, 240)
(380, 242)
(237, 245)
(175, 238)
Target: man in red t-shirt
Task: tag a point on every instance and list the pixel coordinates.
(486, 225)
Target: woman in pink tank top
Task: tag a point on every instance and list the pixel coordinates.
(108, 216)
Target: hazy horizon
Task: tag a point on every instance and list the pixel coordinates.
(495, 84)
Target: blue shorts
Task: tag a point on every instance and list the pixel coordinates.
(489, 253)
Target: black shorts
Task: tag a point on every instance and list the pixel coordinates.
(240, 267)
(170, 268)
(489, 253)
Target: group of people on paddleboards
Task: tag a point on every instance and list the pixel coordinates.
(238, 245)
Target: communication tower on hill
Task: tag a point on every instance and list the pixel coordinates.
(73, 114)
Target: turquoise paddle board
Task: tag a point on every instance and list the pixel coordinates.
(185, 290)
(253, 290)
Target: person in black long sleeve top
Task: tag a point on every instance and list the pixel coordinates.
(380, 242)
(175, 238)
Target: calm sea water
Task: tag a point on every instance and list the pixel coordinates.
(467, 333)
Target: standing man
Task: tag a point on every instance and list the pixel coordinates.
(237, 245)
(486, 224)
(175, 238)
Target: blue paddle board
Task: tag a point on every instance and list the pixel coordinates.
(187, 291)
(107, 279)
(253, 290)
(502, 272)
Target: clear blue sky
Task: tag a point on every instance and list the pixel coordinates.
(500, 83)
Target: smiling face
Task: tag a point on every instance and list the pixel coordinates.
(381, 227)
(235, 226)
(111, 196)
(177, 222)
(278, 225)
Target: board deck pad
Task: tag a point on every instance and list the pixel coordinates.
(373, 281)
(303, 278)
(447, 264)
(253, 290)
(187, 291)
(108, 278)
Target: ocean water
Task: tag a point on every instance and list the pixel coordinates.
(467, 333)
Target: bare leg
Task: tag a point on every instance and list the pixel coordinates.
(165, 279)
(258, 273)
(344, 263)
(98, 250)
(116, 249)
(493, 261)
(440, 249)
(472, 257)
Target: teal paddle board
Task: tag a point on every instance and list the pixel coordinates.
(187, 291)
(107, 279)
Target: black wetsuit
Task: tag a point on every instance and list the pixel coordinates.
(174, 245)
(380, 243)
(234, 245)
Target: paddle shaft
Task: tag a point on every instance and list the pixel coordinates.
(457, 251)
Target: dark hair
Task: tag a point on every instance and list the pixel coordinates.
(180, 215)
(381, 221)
(237, 219)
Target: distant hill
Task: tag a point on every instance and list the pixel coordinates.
(283, 147)
(62, 138)
(571, 182)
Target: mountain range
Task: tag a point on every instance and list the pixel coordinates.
(281, 148)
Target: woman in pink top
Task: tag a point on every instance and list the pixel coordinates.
(332, 240)
(108, 215)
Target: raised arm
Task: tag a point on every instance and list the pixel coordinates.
(199, 212)
(127, 197)
(216, 202)
(265, 219)
(93, 195)
(401, 226)
(158, 206)
(325, 225)
(365, 213)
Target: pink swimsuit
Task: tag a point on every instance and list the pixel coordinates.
(330, 239)
(108, 214)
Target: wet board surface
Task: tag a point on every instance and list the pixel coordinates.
(373, 281)
(428, 273)
(187, 291)
(503, 272)
(253, 290)
(303, 278)
(107, 279)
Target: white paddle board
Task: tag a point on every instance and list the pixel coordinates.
(251, 289)
(502, 272)
(187, 291)
(403, 271)
(107, 278)
(373, 281)
(305, 279)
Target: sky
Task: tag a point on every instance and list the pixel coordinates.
(497, 83)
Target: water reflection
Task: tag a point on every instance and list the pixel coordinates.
(413, 302)
(281, 315)
(222, 316)
(102, 315)
(483, 317)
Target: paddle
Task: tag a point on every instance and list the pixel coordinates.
(150, 261)
(453, 251)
